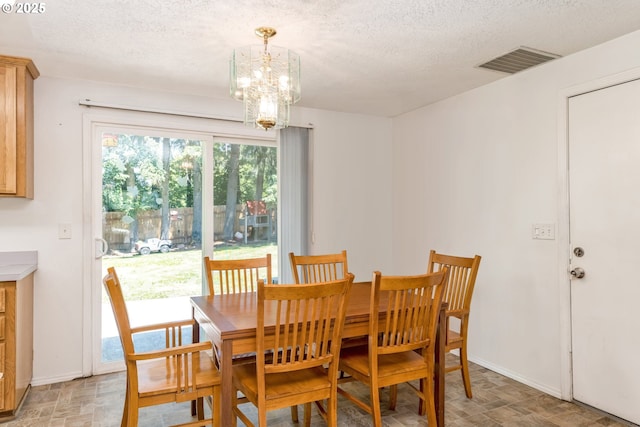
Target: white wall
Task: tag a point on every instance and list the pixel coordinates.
(471, 175)
(351, 169)
(352, 189)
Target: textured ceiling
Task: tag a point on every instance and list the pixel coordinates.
(382, 57)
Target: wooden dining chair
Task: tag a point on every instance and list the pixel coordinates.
(234, 276)
(305, 344)
(178, 373)
(458, 293)
(237, 275)
(401, 344)
(319, 268)
(322, 268)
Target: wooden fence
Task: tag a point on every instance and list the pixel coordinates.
(117, 228)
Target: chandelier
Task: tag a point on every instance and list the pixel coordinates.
(267, 80)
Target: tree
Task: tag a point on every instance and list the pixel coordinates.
(232, 191)
(186, 182)
(142, 173)
(221, 154)
(258, 174)
(132, 177)
(196, 234)
(166, 167)
(247, 171)
(257, 156)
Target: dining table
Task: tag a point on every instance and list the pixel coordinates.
(229, 322)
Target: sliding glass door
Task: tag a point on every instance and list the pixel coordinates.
(151, 193)
(161, 199)
(246, 176)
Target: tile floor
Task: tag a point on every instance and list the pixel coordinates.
(498, 401)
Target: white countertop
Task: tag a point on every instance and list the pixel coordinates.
(17, 265)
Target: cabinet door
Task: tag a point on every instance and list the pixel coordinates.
(8, 133)
(3, 361)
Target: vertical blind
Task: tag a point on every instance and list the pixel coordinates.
(294, 201)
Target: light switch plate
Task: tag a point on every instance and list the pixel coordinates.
(543, 231)
(64, 231)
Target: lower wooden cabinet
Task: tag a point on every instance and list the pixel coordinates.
(16, 344)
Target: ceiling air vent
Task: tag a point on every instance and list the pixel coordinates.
(518, 60)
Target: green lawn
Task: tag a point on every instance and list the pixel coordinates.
(176, 273)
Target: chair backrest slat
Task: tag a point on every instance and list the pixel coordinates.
(319, 268)
(410, 314)
(238, 275)
(462, 278)
(308, 325)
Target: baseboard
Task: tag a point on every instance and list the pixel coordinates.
(517, 377)
(52, 380)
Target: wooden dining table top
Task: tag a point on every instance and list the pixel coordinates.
(233, 316)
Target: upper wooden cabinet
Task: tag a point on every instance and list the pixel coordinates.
(16, 126)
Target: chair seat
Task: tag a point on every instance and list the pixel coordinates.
(389, 365)
(284, 384)
(454, 339)
(155, 379)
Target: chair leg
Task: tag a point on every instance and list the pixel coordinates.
(428, 399)
(132, 412)
(125, 411)
(262, 416)
(393, 396)
(216, 406)
(234, 407)
(294, 413)
(307, 414)
(332, 410)
(422, 407)
(375, 406)
(200, 408)
(466, 379)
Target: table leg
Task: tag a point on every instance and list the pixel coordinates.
(440, 366)
(226, 376)
(195, 337)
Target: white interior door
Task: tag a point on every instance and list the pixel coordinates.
(604, 178)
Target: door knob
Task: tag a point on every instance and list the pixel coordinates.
(577, 272)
